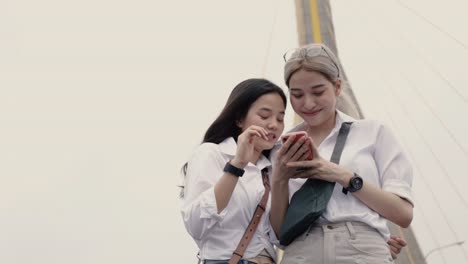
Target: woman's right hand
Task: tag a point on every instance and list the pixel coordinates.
(246, 145)
(290, 151)
(395, 244)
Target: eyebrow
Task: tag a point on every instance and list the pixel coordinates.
(269, 110)
(313, 87)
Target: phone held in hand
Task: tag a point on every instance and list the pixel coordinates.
(297, 136)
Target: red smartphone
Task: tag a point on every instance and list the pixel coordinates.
(297, 136)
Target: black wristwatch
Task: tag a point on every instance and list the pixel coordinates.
(355, 184)
(229, 168)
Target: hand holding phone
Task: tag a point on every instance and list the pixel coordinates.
(297, 136)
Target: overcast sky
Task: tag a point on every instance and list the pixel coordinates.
(102, 101)
(406, 62)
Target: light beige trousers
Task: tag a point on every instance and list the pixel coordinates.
(340, 243)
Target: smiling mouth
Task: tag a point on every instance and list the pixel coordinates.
(312, 113)
(271, 137)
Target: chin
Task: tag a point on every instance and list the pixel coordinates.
(266, 146)
(313, 121)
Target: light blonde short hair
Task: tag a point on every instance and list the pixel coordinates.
(313, 57)
(319, 58)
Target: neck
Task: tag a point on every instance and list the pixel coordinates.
(321, 131)
(256, 156)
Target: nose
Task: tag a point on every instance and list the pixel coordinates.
(309, 102)
(273, 125)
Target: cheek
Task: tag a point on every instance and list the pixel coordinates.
(295, 103)
(331, 101)
(327, 99)
(258, 122)
(281, 128)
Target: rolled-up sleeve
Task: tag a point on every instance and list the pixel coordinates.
(395, 168)
(199, 209)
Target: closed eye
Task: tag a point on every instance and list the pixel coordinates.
(297, 95)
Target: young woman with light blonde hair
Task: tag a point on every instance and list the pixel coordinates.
(372, 181)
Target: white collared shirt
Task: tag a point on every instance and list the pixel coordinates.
(217, 235)
(371, 151)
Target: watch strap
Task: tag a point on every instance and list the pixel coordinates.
(229, 168)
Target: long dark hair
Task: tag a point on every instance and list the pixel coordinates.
(235, 110)
(237, 106)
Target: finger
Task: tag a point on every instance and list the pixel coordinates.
(301, 169)
(264, 133)
(315, 153)
(301, 153)
(300, 174)
(252, 134)
(392, 243)
(282, 151)
(255, 133)
(305, 173)
(286, 145)
(293, 147)
(402, 242)
(394, 249)
(394, 252)
(261, 130)
(303, 163)
(399, 240)
(249, 132)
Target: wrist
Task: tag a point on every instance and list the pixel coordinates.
(345, 178)
(279, 185)
(278, 178)
(238, 163)
(278, 181)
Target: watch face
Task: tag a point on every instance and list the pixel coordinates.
(356, 183)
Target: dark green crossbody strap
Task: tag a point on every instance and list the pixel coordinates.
(340, 142)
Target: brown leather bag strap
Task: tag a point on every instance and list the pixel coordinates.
(252, 227)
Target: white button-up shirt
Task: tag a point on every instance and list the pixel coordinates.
(217, 235)
(371, 151)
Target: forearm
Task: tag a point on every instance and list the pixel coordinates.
(387, 204)
(223, 190)
(279, 204)
(225, 186)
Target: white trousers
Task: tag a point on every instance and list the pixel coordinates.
(340, 243)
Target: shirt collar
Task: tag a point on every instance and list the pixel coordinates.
(341, 118)
(229, 147)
